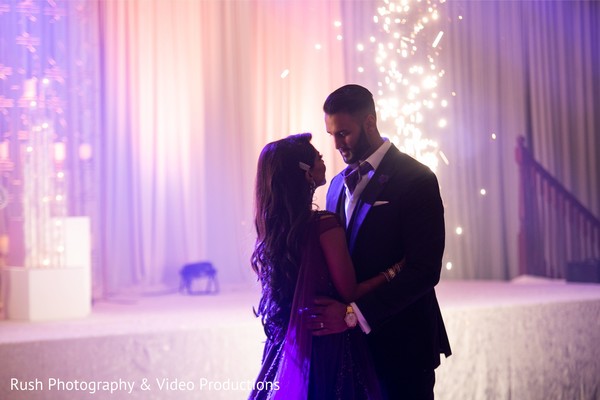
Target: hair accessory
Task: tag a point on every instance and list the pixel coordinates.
(303, 166)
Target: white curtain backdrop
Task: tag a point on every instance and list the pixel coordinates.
(173, 101)
(513, 68)
(518, 68)
(193, 90)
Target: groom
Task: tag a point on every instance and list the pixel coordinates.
(393, 211)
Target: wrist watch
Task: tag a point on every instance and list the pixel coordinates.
(350, 317)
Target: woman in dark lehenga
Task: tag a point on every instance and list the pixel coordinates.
(300, 254)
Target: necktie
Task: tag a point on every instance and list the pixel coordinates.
(353, 175)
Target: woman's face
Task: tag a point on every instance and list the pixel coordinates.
(318, 170)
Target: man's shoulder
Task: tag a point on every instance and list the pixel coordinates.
(408, 166)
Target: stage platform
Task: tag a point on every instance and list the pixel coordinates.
(527, 339)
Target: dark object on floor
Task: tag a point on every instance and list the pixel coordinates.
(583, 271)
(198, 271)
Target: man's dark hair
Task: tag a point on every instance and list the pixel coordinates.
(352, 99)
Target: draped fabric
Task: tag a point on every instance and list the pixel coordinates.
(167, 104)
(302, 366)
(563, 89)
(518, 69)
(512, 68)
(193, 90)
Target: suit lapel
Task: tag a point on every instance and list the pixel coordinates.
(369, 195)
(335, 198)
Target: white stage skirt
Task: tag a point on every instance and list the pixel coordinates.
(528, 339)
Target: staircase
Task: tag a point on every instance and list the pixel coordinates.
(555, 229)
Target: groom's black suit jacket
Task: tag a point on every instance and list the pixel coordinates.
(399, 215)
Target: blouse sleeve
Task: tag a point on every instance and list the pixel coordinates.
(328, 221)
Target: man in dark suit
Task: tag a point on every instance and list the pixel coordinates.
(394, 213)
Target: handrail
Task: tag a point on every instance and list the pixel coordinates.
(554, 227)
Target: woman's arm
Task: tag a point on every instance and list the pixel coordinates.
(341, 269)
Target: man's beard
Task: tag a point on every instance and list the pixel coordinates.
(360, 150)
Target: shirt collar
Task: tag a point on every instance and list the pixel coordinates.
(375, 158)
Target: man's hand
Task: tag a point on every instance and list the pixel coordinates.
(326, 317)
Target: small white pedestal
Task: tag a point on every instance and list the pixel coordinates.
(42, 294)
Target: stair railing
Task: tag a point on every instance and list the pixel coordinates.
(554, 227)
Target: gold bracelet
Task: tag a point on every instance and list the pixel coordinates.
(391, 272)
(385, 275)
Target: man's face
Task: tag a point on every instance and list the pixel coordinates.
(349, 136)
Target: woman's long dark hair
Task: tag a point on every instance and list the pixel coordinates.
(283, 210)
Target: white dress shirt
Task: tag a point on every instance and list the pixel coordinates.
(374, 159)
(350, 204)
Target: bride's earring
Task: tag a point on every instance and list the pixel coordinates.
(311, 182)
